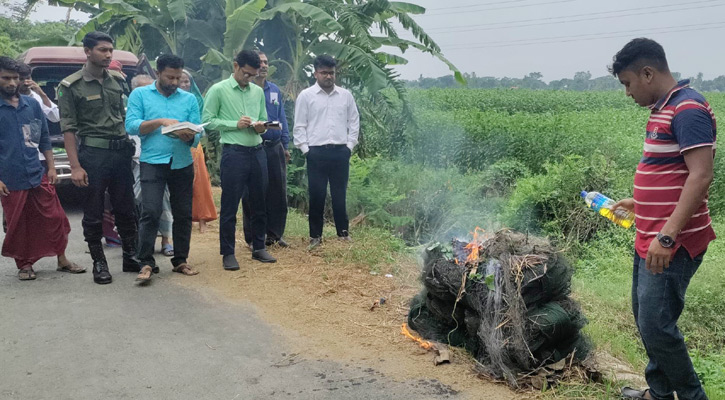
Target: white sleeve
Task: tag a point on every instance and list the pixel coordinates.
(51, 113)
(353, 123)
(301, 120)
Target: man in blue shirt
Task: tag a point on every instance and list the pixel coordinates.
(31, 206)
(275, 143)
(165, 160)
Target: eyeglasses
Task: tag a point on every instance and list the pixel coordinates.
(326, 73)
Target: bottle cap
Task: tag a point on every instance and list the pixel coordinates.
(583, 193)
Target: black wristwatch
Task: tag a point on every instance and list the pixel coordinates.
(665, 241)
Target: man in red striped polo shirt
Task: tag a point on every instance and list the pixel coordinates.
(670, 204)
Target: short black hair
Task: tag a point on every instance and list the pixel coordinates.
(24, 69)
(248, 57)
(323, 60)
(639, 53)
(92, 39)
(169, 61)
(8, 64)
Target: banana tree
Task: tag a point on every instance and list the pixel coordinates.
(293, 32)
(183, 27)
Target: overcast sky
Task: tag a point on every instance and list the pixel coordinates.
(555, 37)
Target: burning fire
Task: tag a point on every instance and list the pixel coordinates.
(423, 343)
(474, 246)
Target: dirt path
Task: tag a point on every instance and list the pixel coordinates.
(323, 307)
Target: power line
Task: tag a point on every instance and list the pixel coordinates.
(477, 5)
(579, 38)
(459, 46)
(648, 9)
(489, 27)
(495, 8)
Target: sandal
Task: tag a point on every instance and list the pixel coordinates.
(629, 393)
(73, 268)
(26, 274)
(167, 250)
(185, 269)
(145, 274)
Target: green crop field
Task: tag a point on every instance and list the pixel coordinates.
(519, 158)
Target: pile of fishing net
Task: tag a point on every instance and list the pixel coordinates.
(505, 299)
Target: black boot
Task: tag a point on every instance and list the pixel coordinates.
(100, 266)
(130, 263)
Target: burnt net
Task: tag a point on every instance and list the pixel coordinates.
(505, 299)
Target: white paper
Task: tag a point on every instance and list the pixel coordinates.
(183, 125)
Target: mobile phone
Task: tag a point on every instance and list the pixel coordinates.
(273, 125)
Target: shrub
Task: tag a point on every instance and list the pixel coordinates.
(550, 202)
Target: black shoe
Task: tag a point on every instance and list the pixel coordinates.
(101, 275)
(629, 393)
(314, 242)
(131, 265)
(278, 242)
(263, 256)
(155, 269)
(230, 262)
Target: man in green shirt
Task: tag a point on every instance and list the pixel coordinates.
(91, 107)
(238, 111)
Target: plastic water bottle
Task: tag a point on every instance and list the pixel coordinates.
(603, 205)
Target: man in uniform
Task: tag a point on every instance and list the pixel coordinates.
(91, 107)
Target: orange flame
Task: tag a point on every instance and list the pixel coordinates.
(473, 246)
(423, 343)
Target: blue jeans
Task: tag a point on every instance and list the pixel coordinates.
(657, 302)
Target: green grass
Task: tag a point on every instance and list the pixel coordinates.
(375, 247)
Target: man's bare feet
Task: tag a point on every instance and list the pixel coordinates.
(145, 274)
(66, 265)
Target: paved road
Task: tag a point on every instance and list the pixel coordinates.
(64, 337)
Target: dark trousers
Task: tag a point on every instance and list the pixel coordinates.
(276, 200)
(109, 170)
(242, 168)
(325, 164)
(154, 180)
(657, 302)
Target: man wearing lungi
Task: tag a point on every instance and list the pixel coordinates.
(28, 197)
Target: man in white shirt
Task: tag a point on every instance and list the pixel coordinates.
(327, 124)
(28, 87)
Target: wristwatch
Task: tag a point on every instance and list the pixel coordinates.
(665, 241)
